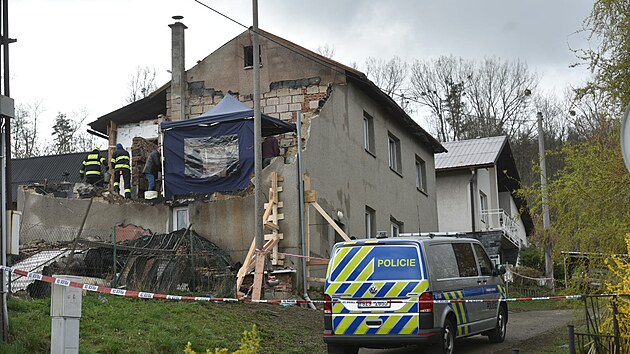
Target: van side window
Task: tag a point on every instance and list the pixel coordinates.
(442, 261)
(465, 260)
(485, 264)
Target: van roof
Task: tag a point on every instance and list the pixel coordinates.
(415, 238)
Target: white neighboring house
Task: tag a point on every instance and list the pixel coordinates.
(476, 183)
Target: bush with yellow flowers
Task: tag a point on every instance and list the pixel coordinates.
(250, 343)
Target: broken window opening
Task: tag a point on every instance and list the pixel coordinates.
(211, 156)
(248, 56)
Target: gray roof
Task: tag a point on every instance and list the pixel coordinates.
(470, 153)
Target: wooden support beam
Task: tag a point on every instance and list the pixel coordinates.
(331, 221)
(258, 275)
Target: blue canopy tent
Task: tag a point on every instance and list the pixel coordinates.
(215, 151)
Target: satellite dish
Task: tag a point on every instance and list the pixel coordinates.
(625, 137)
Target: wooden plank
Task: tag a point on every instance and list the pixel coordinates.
(331, 222)
(258, 275)
(310, 196)
(246, 262)
(272, 226)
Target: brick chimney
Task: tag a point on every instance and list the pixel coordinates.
(178, 70)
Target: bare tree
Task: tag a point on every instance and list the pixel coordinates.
(439, 85)
(391, 77)
(326, 50)
(469, 99)
(24, 134)
(141, 83)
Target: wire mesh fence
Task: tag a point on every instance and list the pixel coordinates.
(127, 257)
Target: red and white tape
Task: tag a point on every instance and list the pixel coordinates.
(149, 295)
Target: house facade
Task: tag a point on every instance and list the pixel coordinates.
(476, 184)
(370, 165)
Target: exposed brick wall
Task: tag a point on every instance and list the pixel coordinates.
(283, 101)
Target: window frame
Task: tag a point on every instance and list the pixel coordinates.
(369, 222)
(175, 216)
(394, 153)
(483, 206)
(395, 224)
(368, 133)
(421, 175)
(248, 56)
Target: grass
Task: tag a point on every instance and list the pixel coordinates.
(128, 325)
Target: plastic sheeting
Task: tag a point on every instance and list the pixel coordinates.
(215, 151)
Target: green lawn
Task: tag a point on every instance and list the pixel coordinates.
(128, 325)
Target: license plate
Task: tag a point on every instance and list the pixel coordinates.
(381, 304)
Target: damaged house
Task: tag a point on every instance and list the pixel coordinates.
(367, 164)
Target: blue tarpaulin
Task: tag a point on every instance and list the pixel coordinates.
(215, 151)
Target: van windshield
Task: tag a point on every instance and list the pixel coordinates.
(376, 262)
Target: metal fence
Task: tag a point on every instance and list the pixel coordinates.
(126, 257)
(602, 333)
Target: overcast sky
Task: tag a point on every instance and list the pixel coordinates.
(80, 54)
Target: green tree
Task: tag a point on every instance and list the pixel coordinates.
(63, 132)
(609, 59)
(589, 198)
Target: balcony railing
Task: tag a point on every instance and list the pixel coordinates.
(498, 219)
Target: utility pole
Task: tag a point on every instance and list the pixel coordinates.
(257, 132)
(7, 111)
(548, 245)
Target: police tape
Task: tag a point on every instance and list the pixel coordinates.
(149, 295)
(306, 257)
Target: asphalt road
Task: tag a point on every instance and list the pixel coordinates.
(521, 327)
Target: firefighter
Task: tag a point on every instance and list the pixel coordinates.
(122, 168)
(91, 168)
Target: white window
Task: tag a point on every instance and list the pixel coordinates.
(395, 227)
(368, 132)
(370, 216)
(180, 218)
(394, 153)
(483, 204)
(421, 174)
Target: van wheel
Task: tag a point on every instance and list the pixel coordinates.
(497, 335)
(342, 349)
(446, 345)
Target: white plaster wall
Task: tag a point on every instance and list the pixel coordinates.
(453, 201)
(146, 129)
(347, 178)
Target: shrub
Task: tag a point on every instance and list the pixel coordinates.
(250, 343)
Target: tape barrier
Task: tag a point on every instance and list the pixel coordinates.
(149, 295)
(526, 277)
(307, 257)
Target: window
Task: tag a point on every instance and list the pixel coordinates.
(442, 257)
(394, 153)
(483, 205)
(180, 218)
(421, 174)
(395, 227)
(370, 220)
(465, 260)
(485, 264)
(211, 157)
(368, 133)
(248, 56)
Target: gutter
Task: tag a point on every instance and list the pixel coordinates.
(471, 183)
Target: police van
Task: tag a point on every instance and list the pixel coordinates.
(390, 292)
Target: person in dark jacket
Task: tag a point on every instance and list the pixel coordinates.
(152, 167)
(91, 168)
(121, 165)
(270, 149)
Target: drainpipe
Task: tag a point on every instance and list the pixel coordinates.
(471, 183)
(178, 71)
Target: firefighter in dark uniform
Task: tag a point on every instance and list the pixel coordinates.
(91, 168)
(121, 165)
